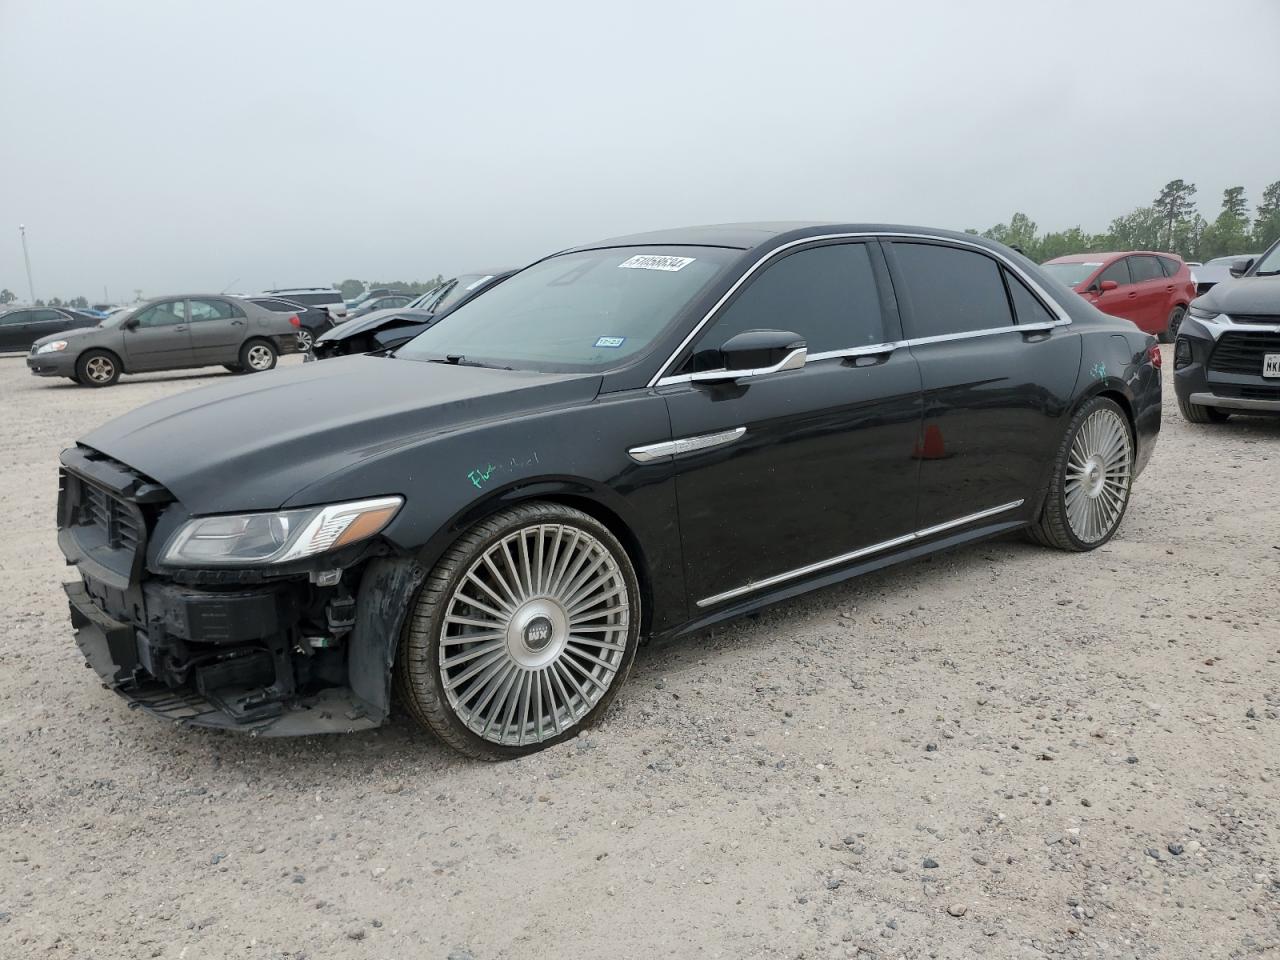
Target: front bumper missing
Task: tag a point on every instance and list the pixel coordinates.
(119, 654)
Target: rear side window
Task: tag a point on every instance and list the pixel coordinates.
(951, 290)
(826, 294)
(45, 315)
(1118, 271)
(1170, 266)
(1026, 305)
(212, 310)
(1145, 268)
(277, 306)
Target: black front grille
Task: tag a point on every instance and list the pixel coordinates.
(1242, 351)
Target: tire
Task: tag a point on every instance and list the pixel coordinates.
(1175, 321)
(233, 367)
(472, 701)
(75, 378)
(97, 368)
(258, 356)
(305, 340)
(1195, 413)
(1091, 482)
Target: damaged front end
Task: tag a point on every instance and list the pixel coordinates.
(279, 650)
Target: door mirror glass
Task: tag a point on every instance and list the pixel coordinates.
(1107, 285)
(1240, 267)
(131, 323)
(755, 353)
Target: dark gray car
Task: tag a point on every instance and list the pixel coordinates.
(167, 333)
(23, 326)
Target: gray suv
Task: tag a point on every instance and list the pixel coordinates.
(168, 333)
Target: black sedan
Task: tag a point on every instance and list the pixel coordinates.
(634, 438)
(1227, 356)
(312, 320)
(22, 327)
(387, 329)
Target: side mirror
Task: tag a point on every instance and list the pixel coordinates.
(1107, 285)
(755, 353)
(131, 323)
(1240, 267)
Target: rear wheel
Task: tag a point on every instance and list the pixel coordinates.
(1195, 413)
(258, 356)
(522, 634)
(233, 367)
(1092, 477)
(1175, 321)
(97, 368)
(305, 340)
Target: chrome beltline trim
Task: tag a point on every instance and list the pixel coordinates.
(674, 448)
(858, 554)
(1054, 306)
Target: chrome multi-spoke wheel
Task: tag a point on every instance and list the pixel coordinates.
(1092, 477)
(1099, 469)
(305, 340)
(530, 632)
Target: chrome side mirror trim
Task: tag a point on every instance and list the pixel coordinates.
(792, 361)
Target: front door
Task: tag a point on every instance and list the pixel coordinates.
(217, 330)
(807, 467)
(159, 338)
(15, 329)
(1123, 300)
(998, 369)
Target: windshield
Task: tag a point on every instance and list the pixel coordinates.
(1270, 265)
(1071, 273)
(464, 286)
(119, 317)
(587, 311)
(423, 302)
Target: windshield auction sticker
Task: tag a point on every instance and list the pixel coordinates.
(649, 261)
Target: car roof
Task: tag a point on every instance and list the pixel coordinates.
(1113, 255)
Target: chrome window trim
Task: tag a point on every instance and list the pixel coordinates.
(1049, 302)
(858, 554)
(673, 448)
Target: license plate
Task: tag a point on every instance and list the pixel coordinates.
(1271, 364)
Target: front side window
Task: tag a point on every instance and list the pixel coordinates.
(1145, 268)
(1118, 271)
(15, 316)
(163, 314)
(1071, 273)
(588, 311)
(825, 294)
(1270, 265)
(210, 310)
(950, 290)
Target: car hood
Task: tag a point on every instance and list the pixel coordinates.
(257, 442)
(371, 321)
(65, 334)
(1245, 295)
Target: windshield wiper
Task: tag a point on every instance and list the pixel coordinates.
(458, 360)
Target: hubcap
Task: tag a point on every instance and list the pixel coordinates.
(99, 369)
(534, 634)
(1098, 473)
(259, 357)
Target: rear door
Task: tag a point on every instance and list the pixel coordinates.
(1153, 290)
(217, 330)
(804, 468)
(159, 338)
(996, 383)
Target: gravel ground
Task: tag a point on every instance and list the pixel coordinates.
(1004, 752)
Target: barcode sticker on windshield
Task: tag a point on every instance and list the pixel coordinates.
(649, 261)
(611, 341)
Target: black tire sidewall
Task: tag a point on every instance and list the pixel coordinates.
(457, 563)
(82, 363)
(249, 345)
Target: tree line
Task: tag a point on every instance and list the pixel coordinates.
(1170, 222)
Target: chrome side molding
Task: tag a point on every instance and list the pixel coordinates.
(674, 448)
(858, 554)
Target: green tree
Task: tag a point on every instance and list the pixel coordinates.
(1175, 206)
(1063, 242)
(79, 302)
(1229, 233)
(1266, 226)
(7, 296)
(1019, 232)
(1138, 230)
(55, 302)
(350, 289)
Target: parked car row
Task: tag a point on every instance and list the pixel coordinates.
(1153, 290)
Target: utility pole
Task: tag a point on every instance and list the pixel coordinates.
(31, 290)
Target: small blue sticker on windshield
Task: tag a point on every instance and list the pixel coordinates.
(610, 341)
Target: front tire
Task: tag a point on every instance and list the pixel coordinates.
(523, 633)
(97, 368)
(258, 356)
(1195, 413)
(1092, 479)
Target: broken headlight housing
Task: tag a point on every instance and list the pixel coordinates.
(253, 539)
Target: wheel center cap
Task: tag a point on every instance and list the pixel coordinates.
(538, 633)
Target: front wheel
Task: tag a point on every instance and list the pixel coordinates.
(523, 633)
(97, 368)
(1195, 413)
(257, 356)
(1092, 478)
(1175, 321)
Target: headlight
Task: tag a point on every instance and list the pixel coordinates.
(267, 538)
(1200, 313)
(56, 346)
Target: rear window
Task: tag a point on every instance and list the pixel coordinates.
(315, 299)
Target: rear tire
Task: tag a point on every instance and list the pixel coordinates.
(1092, 478)
(258, 356)
(1175, 321)
(1195, 413)
(97, 368)
(552, 601)
(233, 368)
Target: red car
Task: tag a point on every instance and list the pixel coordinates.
(1150, 289)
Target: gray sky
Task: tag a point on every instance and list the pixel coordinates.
(187, 146)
